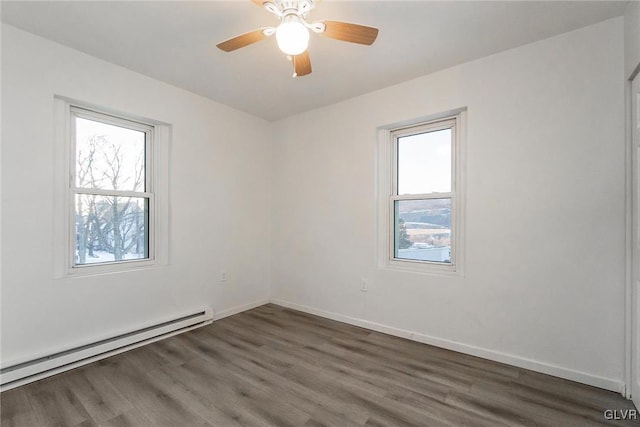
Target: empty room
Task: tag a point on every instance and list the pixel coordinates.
(308, 213)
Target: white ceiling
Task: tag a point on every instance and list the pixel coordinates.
(174, 41)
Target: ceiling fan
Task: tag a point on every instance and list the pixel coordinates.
(292, 34)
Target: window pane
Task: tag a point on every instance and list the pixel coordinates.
(109, 157)
(424, 163)
(111, 228)
(423, 230)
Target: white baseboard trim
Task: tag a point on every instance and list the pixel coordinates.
(509, 359)
(239, 309)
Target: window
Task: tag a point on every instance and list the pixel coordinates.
(111, 174)
(110, 188)
(421, 190)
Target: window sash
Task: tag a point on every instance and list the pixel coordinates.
(394, 198)
(146, 247)
(393, 238)
(417, 130)
(119, 193)
(83, 113)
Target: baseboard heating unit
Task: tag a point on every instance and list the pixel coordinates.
(23, 372)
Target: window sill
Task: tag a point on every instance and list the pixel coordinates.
(425, 268)
(109, 268)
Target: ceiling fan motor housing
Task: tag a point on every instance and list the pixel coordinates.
(289, 7)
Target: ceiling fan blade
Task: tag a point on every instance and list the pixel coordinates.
(243, 40)
(260, 2)
(347, 32)
(301, 64)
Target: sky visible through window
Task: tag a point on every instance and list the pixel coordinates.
(424, 163)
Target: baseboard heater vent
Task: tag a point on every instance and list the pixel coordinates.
(32, 370)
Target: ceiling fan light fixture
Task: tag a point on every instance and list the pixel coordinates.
(294, 31)
(292, 36)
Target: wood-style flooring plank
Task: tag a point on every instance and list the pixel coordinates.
(147, 392)
(274, 366)
(17, 409)
(130, 418)
(55, 404)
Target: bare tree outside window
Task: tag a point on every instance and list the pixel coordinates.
(111, 199)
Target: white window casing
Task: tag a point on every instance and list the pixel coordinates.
(155, 192)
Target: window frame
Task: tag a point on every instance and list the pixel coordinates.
(74, 190)
(388, 192)
(157, 147)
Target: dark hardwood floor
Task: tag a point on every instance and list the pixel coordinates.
(275, 366)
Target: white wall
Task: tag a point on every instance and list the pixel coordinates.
(545, 272)
(632, 37)
(219, 194)
(545, 196)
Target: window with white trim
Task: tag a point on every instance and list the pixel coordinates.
(422, 195)
(110, 189)
(111, 210)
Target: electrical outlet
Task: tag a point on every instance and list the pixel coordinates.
(364, 285)
(223, 276)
